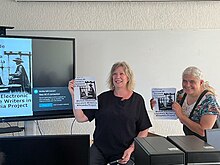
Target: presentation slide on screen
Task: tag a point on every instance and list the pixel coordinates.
(18, 95)
(15, 83)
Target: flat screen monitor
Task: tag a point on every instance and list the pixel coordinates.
(213, 136)
(34, 74)
(45, 150)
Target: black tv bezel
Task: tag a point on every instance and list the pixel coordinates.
(62, 141)
(52, 114)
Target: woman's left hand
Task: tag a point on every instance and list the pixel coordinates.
(178, 109)
(126, 156)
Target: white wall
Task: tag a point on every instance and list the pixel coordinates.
(110, 16)
(157, 58)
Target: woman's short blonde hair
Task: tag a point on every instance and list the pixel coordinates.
(128, 73)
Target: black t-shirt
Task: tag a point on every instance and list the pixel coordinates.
(117, 122)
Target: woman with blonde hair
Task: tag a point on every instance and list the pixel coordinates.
(121, 116)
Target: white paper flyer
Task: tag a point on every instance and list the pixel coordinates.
(85, 95)
(164, 98)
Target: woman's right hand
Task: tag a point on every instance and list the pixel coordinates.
(78, 113)
(71, 87)
(152, 103)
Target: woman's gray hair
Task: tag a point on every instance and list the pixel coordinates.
(197, 73)
(128, 73)
(194, 71)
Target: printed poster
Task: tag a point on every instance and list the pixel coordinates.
(85, 94)
(164, 98)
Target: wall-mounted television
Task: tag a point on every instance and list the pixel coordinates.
(34, 74)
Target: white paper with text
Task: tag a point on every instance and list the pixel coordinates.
(85, 95)
(164, 98)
